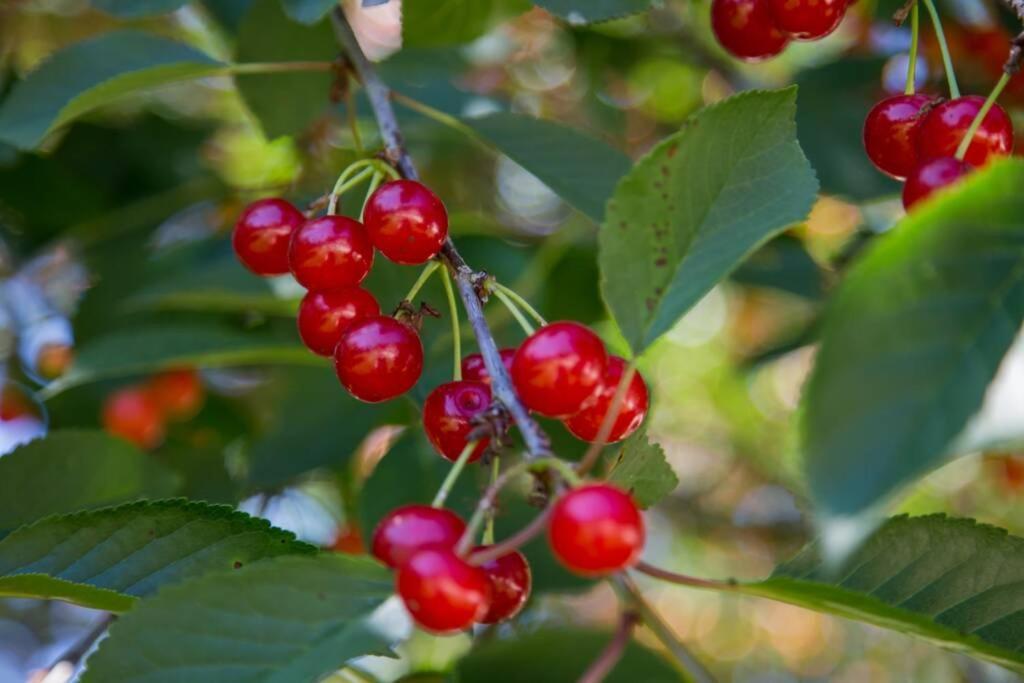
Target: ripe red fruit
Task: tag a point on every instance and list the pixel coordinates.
(262, 234)
(348, 541)
(558, 369)
(746, 29)
(807, 19)
(943, 128)
(324, 315)
(378, 358)
(409, 528)
(406, 221)
(596, 529)
(890, 134)
(473, 365)
(133, 415)
(932, 176)
(587, 423)
(448, 416)
(510, 579)
(443, 592)
(330, 252)
(178, 393)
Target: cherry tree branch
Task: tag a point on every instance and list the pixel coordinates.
(466, 279)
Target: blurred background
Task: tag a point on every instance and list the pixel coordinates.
(114, 244)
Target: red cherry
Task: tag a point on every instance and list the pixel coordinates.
(746, 29)
(330, 252)
(807, 19)
(473, 365)
(348, 541)
(448, 416)
(409, 528)
(378, 358)
(596, 529)
(178, 393)
(262, 234)
(406, 221)
(558, 369)
(586, 423)
(324, 315)
(890, 133)
(509, 576)
(443, 592)
(932, 176)
(943, 128)
(133, 415)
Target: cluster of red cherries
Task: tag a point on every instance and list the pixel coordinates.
(753, 30)
(915, 137)
(140, 413)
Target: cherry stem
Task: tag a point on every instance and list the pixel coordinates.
(346, 181)
(610, 656)
(353, 120)
(489, 526)
(375, 182)
(961, 151)
(947, 61)
(593, 452)
(279, 67)
(683, 579)
(915, 26)
(453, 475)
(514, 310)
(514, 542)
(425, 274)
(520, 301)
(453, 309)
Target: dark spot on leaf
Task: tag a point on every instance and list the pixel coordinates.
(672, 149)
(151, 533)
(237, 565)
(661, 262)
(321, 596)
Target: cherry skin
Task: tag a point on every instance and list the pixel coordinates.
(890, 134)
(558, 369)
(324, 315)
(596, 529)
(932, 176)
(943, 128)
(406, 222)
(133, 415)
(746, 29)
(587, 423)
(807, 19)
(262, 234)
(378, 358)
(510, 579)
(473, 365)
(409, 528)
(330, 252)
(443, 592)
(448, 416)
(178, 393)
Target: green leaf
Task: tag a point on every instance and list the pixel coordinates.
(692, 209)
(553, 655)
(76, 470)
(785, 265)
(134, 9)
(911, 340)
(581, 169)
(283, 620)
(106, 558)
(641, 469)
(590, 11)
(436, 23)
(285, 103)
(92, 73)
(952, 581)
(308, 11)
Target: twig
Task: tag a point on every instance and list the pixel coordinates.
(610, 656)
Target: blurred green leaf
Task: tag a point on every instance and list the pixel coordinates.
(692, 209)
(436, 23)
(641, 469)
(911, 340)
(106, 558)
(134, 9)
(308, 11)
(589, 11)
(73, 470)
(282, 620)
(785, 265)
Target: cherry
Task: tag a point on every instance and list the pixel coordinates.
(558, 369)
(890, 133)
(133, 415)
(448, 416)
(596, 529)
(587, 423)
(378, 358)
(443, 592)
(262, 234)
(324, 315)
(330, 252)
(807, 19)
(473, 365)
(348, 540)
(409, 528)
(746, 29)
(509, 576)
(179, 393)
(406, 221)
(943, 128)
(932, 176)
